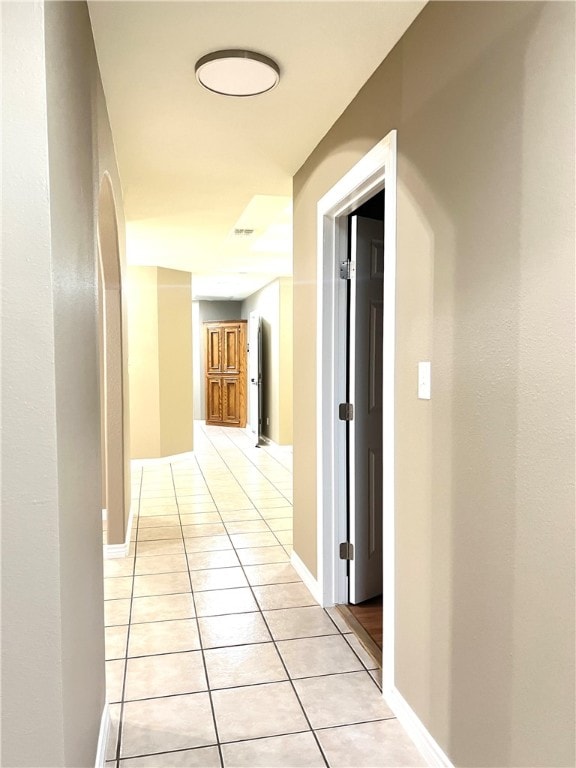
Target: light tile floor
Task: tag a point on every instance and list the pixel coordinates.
(217, 654)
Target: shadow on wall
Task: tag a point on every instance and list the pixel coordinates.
(266, 375)
(486, 493)
(111, 369)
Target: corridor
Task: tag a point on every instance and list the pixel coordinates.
(217, 654)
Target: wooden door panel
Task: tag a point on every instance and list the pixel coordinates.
(231, 401)
(213, 350)
(214, 400)
(232, 350)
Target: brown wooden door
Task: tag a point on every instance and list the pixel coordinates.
(226, 373)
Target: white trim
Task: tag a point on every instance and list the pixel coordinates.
(416, 730)
(376, 170)
(137, 463)
(112, 551)
(306, 577)
(103, 737)
(104, 515)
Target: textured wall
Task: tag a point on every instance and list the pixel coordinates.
(144, 380)
(175, 361)
(482, 96)
(160, 366)
(119, 416)
(53, 683)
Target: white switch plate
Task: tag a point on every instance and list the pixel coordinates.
(424, 373)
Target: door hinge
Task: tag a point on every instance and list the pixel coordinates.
(347, 269)
(346, 551)
(346, 412)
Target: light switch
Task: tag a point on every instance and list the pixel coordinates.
(424, 380)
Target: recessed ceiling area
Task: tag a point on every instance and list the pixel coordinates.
(196, 165)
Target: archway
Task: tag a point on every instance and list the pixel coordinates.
(111, 367)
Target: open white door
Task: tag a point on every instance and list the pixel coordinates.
(365, 394)
(255, 373)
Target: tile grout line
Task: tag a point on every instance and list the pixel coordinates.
(227, 465)
(246, 685)
(223, 463)
(198, 629)
(284, 665)
(256, 738)
(227, 437)
(264, 448)
(121, 713)
(341, 633)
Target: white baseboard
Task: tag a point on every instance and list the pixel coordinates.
(112, 551)
(306, 577)
(416, 730)
(103, 737)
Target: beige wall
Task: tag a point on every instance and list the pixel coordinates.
(175, 361)
(53, 683)
(143, 362)
(482, 96)
(160, 364)
(115, 285)
(285, 362)
(274, 305)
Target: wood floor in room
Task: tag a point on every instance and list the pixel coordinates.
(369, 615)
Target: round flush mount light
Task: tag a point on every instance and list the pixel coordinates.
(237, 73)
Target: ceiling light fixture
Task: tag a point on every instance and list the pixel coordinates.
(237, 73)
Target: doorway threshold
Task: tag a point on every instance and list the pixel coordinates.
(368, 643)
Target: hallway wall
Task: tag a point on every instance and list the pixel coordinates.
(160, 364)
(175, 361)
(54, 152)
(143, 362)
(274, 305)
(107, 164)
(482, 96)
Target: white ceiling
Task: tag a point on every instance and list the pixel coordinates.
(195, 165)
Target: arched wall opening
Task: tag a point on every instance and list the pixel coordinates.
(111, 367)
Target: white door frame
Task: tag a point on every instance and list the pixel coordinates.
(375, 171)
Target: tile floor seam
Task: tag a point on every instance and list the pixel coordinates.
(200, 638)
(229, 453)
(253, 464)
(121, 712)
(343, 634)
(249, 685)
(166, 752)
(359, 722)
(289, 678)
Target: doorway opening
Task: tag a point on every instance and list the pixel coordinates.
(342, 223)
(364, 275)
(256, 389)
